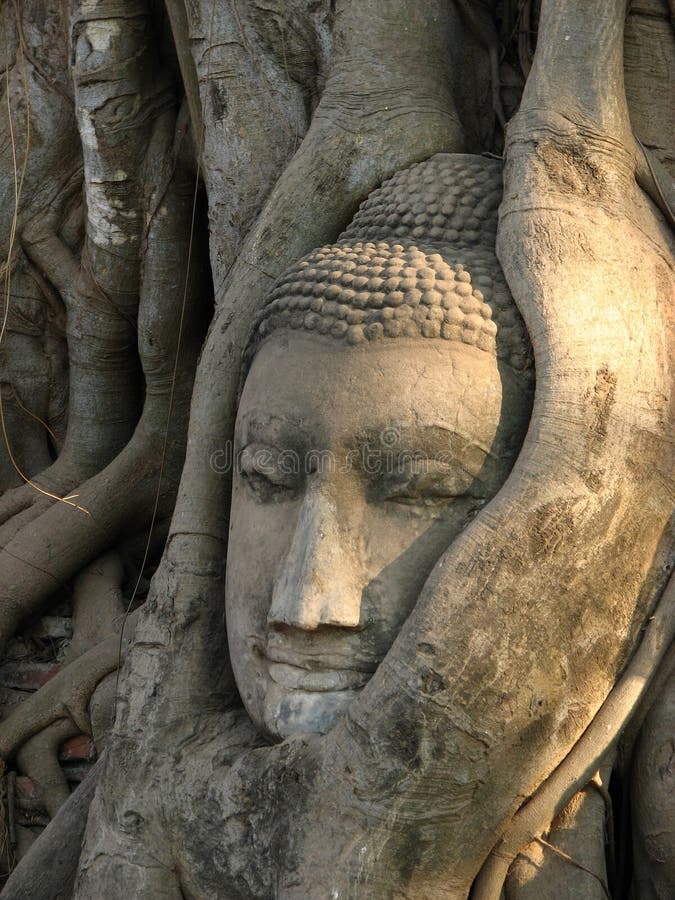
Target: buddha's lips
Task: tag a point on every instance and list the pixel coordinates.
(315, 659)
(296, 678)
(297, 671)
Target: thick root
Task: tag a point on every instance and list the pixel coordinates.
(576, 770)
(39, 759)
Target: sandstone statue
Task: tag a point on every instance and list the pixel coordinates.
(363, 591)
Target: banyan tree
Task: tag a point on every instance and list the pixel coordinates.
(337, 448)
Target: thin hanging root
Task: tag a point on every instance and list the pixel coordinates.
(574, 862)
(577, 769)
(66, 696)
(18, 187)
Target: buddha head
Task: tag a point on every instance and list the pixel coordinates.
(387, 393)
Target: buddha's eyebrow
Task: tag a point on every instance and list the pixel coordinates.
(268, 428)
(446, 449)
(446, 443)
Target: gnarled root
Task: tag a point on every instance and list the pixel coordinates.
(35, 731)
(39, 759)
(66, 696)
(139, 485)
(48, 869)
(98, 611)
(576, 770)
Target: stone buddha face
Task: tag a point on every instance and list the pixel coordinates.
(376, 419)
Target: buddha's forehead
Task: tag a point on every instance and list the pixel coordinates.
(311, 388)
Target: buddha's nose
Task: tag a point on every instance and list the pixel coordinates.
(318, 584)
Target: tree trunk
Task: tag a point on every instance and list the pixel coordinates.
(252, 132)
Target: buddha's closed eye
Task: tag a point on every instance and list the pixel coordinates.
(270, 474)
(425, 482)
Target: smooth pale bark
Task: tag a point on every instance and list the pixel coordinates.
(541, 600)
(40, 166)
(167, 330)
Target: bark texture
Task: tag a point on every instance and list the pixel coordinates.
(268, 124)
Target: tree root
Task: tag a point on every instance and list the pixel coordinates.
(39, 759)
(181, 38)
(98, 604)
(48, 869)
(30, 503)
(572, 855)
(139, 484)
(58, 544)
(66, 696)
(577, 769)
(98, 610)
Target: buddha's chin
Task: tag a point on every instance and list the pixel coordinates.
(290, 712)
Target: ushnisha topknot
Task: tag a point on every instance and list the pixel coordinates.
(418, 260)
